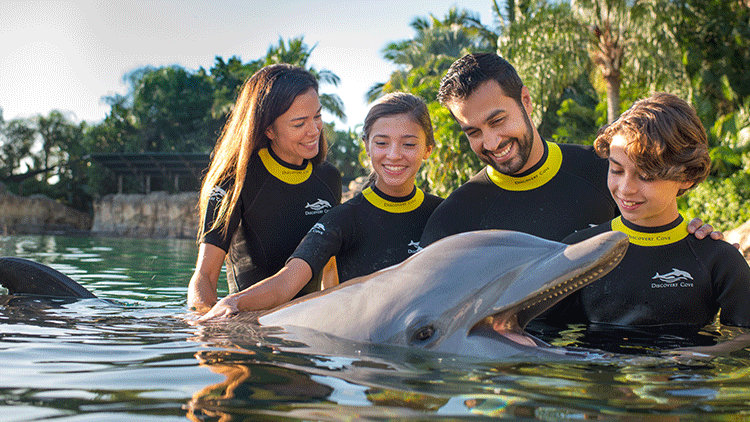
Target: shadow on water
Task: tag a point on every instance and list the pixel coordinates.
(139, 359)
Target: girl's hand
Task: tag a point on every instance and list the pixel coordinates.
(224, 309)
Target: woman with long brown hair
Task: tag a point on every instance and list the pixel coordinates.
(267, 185)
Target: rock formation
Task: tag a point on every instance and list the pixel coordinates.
(38, 214)
(740, 235)
(157, 214)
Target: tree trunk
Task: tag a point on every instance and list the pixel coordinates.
(613, 96)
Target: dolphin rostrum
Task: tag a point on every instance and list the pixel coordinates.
(469, 294)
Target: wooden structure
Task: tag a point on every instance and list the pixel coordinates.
(172, 168)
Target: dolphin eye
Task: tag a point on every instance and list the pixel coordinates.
(425, 333)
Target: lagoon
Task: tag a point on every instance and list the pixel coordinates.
(138, 360)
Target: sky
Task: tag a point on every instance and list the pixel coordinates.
(67, 56)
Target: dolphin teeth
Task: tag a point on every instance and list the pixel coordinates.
(570, 285)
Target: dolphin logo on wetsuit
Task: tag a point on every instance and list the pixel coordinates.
(318, 205)
(318, 228)
(217, 194)
(674, 276)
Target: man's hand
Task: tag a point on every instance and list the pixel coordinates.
(701, 230)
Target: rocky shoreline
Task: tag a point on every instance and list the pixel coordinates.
(157, 214)
(740, 235)
(38, 214)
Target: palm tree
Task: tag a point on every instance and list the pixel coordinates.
(628, 40)
(297, 53)
(423, 59)
(544, 43)
(228, 77)
(609, 22)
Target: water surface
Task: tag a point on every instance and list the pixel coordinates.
(138, 360)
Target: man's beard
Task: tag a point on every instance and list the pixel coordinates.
(515, 164)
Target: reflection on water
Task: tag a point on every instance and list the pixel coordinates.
(137, 359)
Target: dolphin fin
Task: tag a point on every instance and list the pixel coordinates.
(24, 277)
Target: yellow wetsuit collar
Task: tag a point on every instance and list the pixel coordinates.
(546, 171)
(284, 171)
(406, 204)
(666, 236)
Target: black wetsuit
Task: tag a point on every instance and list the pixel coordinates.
(279, 203)
(566, 191)
(667, 277)
(369, 232)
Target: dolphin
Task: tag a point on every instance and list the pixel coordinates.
(469, 294)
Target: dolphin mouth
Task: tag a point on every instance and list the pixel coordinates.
(514, 318)
(535, 306)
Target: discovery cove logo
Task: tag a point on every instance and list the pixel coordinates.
(413, 247)
(318, 207)
(671, 279)
(217, 194)
(318, 229)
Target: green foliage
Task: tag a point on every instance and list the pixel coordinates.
(423, 60)
(722, 202)
(577, 117)
(722, 199)
(452, 162)
(577, 124)
(729, 140)
(344, 149)
(228, 77)
(714, 39)
(172, 111)
(16, 141)
(547, 47)
(44, 155)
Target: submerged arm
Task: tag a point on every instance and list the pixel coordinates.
(708, 352)
(202, 288)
